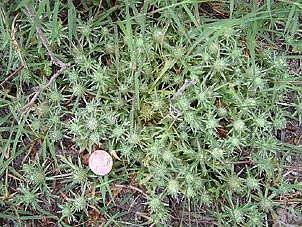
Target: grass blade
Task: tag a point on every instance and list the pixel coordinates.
(192, 17)
(178, 23)
(37, 14)
(71, 19)
(55, 19)
(232, 5)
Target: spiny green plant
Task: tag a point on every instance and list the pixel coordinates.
(36, 174)
(76, 174)
(28, 197)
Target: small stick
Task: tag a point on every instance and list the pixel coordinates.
(209, 221)
(249, 162)
(175, 96)
(40, 89)
(11, 75)
(135, 212)
(133, 188)
(171, 113)
(54, 60)
(182, 89)
(175, 117)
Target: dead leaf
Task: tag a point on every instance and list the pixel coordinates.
(64, 196)
(113, 153)
(85, 159)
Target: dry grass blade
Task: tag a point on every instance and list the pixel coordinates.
(15, 43)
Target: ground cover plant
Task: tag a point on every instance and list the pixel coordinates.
(198, 102)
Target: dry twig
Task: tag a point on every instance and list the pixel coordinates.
(11, 75)
(182, 89)
(173, 111)
(134, 212)
(54, 60)
(132, 188)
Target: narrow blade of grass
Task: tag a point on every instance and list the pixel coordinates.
(168, 65)
(115, 216)
(52, 150)
(269, 8)
(178, 23)
(37, 19)
(192, 17)
(232, 5)
(55, 18)
(71, 19)
(6, 163)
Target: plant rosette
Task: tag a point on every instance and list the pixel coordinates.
(100, 162)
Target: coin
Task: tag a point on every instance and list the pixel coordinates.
(100, 162)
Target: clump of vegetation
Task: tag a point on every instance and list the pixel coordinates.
(192, 105)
